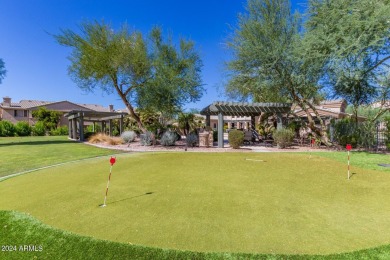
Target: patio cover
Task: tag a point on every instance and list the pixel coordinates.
(78, 117)
(221, 109)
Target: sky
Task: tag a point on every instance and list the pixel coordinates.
(37, 65)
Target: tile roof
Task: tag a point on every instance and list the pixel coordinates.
(27, 104)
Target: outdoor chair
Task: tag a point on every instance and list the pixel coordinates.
(248, 137)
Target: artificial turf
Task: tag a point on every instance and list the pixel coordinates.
(274, 203)
(24, 237)
(25, 153)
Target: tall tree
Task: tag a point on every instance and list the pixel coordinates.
(268, 64)
(352, 39)
(121, 61)
(3, 72)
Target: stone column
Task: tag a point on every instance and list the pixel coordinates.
(220, 130)
(104, 127)
(70, 129)
(253, 123)
(279, 122)
(74, 128)
(110, 127)
(81, 126)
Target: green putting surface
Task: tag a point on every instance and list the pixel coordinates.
(214, 202)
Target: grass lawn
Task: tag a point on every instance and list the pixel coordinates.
(221, 202)
(25, 153)
(360, 159)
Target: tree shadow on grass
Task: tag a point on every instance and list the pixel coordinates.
(352, 174)
(37, 142)
(147, 193)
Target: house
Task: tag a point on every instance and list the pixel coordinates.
(328, 109)
(22, 110)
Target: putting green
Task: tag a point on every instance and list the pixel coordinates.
(272, 203)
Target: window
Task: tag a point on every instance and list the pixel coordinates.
(215, 125)
(25, 113)
(15, 113)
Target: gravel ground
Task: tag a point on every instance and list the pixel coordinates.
(180, 146)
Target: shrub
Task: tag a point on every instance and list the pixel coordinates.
(215, 136)
(22, 128)
(7, 128)
(168, 138)
(283, 137)
(92, 129)
(128, 136)
(147, 138)
(192, 140)
(63, 130)
(39, 129)
(102, 138)
(236, 138)
(387, 132)
(346, 131)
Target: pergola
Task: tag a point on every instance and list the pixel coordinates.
(78, 117)
(243, 109)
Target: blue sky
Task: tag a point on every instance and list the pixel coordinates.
(37, 65)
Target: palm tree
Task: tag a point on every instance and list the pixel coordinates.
(187, 122)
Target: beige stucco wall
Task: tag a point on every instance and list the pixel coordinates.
(8, 114)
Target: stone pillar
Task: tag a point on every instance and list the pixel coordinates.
(104, 127)
(279, 122)
(253, 123)
(74, 128)
(220, 130)
(70, 129)
(110, 127)
(81, 126)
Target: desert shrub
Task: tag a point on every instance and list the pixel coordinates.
(39, 129)
(62, 130)
(168, 138)
(22, 128)
(192, 140)
(7, 128)
(236, 138)
(147, 138)
(178, 136)
(98, 138)
(102, 138)
(128, 136)
(283, 137)
(114, 140)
